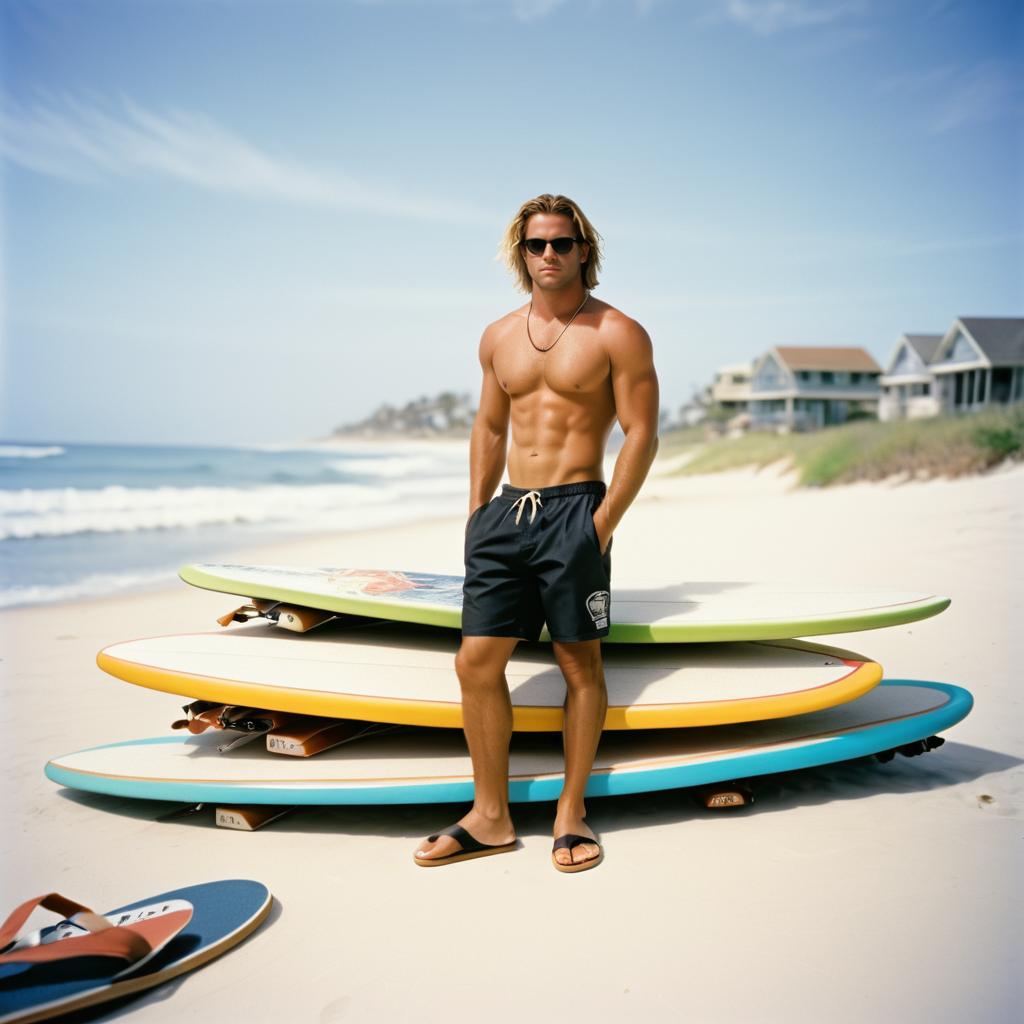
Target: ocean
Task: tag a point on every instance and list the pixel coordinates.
(81, 520)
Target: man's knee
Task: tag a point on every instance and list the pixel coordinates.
(580, 663)
(480, 661)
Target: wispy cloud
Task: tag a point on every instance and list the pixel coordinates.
(534, 10)
(521, 10)
(988, 92)
(922, 80)
(89, 141)
(803, 246)
(957, 96)
(769, 17)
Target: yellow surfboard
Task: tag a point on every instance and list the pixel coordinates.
(397, 673)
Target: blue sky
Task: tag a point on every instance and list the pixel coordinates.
(231, 220)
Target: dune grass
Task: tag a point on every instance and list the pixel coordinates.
(870, 450)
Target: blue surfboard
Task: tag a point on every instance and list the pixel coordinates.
(421, 765)
(223, 914)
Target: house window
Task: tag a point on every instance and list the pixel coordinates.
(855, 378)
(1002, 380)
(961, 351)
(826, 376)
(803, 375)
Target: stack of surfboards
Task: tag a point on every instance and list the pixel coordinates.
(337, 686)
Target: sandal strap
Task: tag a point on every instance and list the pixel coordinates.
(49, 901)
(570, 841)
(469, 843)
(151, 928)
(100, 939)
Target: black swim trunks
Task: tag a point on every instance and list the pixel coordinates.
(534, 557)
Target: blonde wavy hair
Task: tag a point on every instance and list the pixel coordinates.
(511, 248)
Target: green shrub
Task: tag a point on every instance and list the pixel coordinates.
(870, 450)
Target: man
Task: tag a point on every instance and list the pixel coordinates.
(561, 369)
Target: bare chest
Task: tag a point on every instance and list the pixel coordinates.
(574, 366)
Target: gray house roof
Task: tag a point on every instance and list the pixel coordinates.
(925, 345)
(1001, 338)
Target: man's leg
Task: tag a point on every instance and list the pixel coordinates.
(586, 701)
(487, 721)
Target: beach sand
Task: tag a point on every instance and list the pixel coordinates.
(863, 892)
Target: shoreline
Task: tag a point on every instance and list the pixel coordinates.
(664, 482)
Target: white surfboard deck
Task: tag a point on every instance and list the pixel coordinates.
(431, 765)
(659, 612)
(397, 673)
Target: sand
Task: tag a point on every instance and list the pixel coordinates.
(858, 893)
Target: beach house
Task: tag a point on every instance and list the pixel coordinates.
(978, 363)
(805, 388)
(908, 384)
(730, 389)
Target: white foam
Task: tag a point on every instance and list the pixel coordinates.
(61, 512)
(391, 468)
(89, 586)
(19, 451)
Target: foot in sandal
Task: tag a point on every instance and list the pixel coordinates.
(473, 836)
(576, 848)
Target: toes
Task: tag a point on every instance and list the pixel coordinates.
(584, 852)
(439, 848)
(563, 856)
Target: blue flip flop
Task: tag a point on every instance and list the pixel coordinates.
(42, 975)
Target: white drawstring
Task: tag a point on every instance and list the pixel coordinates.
(534, 497)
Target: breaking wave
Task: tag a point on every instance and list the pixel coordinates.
(63, 512)
(22, 451)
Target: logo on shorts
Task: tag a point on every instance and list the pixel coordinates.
(597, 606)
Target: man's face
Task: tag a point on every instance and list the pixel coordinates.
(549, 270)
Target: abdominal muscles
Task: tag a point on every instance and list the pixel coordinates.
(559, 439)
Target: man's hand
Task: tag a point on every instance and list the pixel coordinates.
(603, 528)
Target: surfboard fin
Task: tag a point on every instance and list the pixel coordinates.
(285, 732)
(911, 749)
(725, 795)
(251, 723)
(307, 735)
(250, 818)
(300, 620)
(246, 612)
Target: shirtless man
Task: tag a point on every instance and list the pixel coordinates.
(561, 368)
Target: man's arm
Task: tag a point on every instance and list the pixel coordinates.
(635, 387)
(488, 443)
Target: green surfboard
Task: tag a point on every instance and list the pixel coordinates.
(667, 612)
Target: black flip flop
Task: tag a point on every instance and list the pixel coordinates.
(470, 848)
(569, 842)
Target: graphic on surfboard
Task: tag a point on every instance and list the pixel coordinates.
(660, 613)
(396, 673)
(421, 765)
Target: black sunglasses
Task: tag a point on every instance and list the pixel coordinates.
(536, 246)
